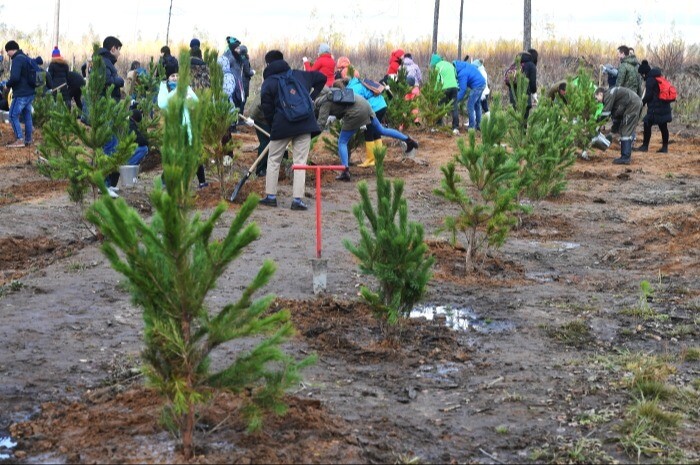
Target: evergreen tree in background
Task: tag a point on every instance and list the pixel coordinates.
(146, 90)
(432, 111)
(74, 150)
(391, 248)
(171, 264)
(400, 112)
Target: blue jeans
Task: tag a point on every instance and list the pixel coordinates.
(474, 107)
(346, 135)
(139, 154)
(22, 107)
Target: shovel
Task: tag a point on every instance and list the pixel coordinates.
(245, 177)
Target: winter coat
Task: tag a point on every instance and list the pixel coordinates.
(75, 82)
(164, 96)
(627, 75)
(134, 120)
(248, 73)
(377, 102)
(281, 128)
(447, 78)
(529, 70)
(111, 74)
(255, 112)
(658, 111)
(199, 73)
(395, 62)
(324, 64)
(58, 70)
(468, 77)
(482, 70)
(232, 86)
(625, 105)
(413, 70)
(353, 116)
(18, 81)
(235, 62)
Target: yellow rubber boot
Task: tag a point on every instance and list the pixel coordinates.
(369, 160)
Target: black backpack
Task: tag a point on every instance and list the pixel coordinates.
(294, 98)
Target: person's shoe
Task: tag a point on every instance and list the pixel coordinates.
(19, 143)
(455, 131)
(641, 148)
(261, 173)
(269, 201)
(412, 144)
(202, 185)
(344, 176)
(299, 205)
(663, 149)
(27, 143)
(112, 193)
(114, 188)
(621, 161)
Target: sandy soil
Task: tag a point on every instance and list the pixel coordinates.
(498, 389)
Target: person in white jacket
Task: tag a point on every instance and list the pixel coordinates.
(165, 93)
(485, 94)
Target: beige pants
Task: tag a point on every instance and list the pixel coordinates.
(300, 153)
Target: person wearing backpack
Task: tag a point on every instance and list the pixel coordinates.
(200, 77)
(659, 111)
(288, 108)
(22, 95)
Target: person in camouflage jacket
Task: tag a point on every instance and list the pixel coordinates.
(627, 75)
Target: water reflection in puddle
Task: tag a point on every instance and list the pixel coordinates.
(555, 245)
(6, 444)
(460, 318)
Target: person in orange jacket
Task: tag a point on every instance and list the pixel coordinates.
(324, 63)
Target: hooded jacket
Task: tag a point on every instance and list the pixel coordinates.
(280, 127)
(627, 75)
(529, 69)
(199, 71)
(395, 62)
(658, 111)
(325, 64)
(377, 102)
(413, 70)
(353, 116)
(18, 80)
(447, 78)
(468, 77)
(111, 74)
(58, 70)
(247, 70)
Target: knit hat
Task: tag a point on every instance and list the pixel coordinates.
(273, 55)
(39, 61)
(11, 45)
(56, 53)
(644, 68)
(324, 48)
(171, 67)
(194, 43)
(233, 42)
(435, 59)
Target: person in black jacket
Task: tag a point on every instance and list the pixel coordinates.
(659, 113)
(76, 82)
(141, 143)
(283, 131)
(58, 73)
(528, 61)
(22, 95)
(166, 58)
(248, 73)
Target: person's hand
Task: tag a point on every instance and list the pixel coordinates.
(331, 119)
(304, 59)
(249, 121)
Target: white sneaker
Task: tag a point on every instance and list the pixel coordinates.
(112, 193)
(455, 132)
(114, 188)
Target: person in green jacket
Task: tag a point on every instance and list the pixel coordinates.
(447, 78)
(627, 75)
(624, 105)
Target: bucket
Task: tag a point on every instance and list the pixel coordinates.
(600, 142)
(128, 174)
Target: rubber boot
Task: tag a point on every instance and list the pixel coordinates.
(344, 176)
(369, 160)
(625, 152)
(663, 149)
(641, 148)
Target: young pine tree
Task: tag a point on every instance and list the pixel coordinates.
(391, 248)
(219, 114)
(171, 264)
(400, 112)
(74, 150)
(429, 102)
(488, 216)
(146, 90)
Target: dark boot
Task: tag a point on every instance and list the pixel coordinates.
(625, 153)
(344, 176)
(663, 149)
(641, 148)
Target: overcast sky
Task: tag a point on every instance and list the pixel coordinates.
(356, 20)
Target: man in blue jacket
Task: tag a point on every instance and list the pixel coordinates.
(282, 130)
(22, 95)
(470, 78)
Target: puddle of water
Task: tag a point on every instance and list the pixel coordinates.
(460, 318)
(440, 373)
(559, 246)
(6, 444)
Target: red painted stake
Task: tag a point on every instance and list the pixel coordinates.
(318, 169)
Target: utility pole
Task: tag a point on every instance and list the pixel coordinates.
(436, 18)
(56, 22)
(459, 41)
(527, 29)
(167, 33)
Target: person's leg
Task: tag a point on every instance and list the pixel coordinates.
(663, 127)
(477, 108)
(646, 138)
(393, 133)
(263, 140)
(139, 154)
(371, 136)
(485, 105)
(201, 178)
(300, 155)
(343, 140)
(16, 108)
(28, 123)
(472, 101)
(455, 108)
(274, 159)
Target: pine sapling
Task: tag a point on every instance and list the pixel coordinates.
(146, 90)
(488, 204)
(171, 265)
(400, 112)
(391, 248)
(430, 101)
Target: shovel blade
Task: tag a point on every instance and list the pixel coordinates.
(320, 269)
(238, 187)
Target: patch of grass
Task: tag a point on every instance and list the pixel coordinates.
(76, 267)
(502, 429)
(576, 333)
(593, 417)
(12, 286)
(691, 354)
(647, 375)
(582, 450)
(683, 330)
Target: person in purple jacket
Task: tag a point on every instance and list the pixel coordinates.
(470, 79)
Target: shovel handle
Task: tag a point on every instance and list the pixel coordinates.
(243, 117)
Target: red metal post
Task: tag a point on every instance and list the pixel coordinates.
(318, 169)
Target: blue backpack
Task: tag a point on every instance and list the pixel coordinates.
(35, 75)
(294, 98)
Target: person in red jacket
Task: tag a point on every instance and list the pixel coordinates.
(324, 64)
(395, 61)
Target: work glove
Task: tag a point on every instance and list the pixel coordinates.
(253, 72)
(249, 121)
(331, 119)
(304, 59)
(363, 128)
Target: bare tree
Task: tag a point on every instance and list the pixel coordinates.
(436, 17)
(167, 32)
(527, 29)
(459, 41)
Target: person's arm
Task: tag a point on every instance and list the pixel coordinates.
(621, 75)
(323, 107)
(267, 100)
(164, 95)
(16, 73)
(649, 93)
(318, 82)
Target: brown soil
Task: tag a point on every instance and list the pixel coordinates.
(496, 392)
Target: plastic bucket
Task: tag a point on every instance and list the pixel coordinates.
(600, 142)
(128, 174)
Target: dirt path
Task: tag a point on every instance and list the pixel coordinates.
(509, 387)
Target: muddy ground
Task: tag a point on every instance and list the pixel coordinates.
(509, 384)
